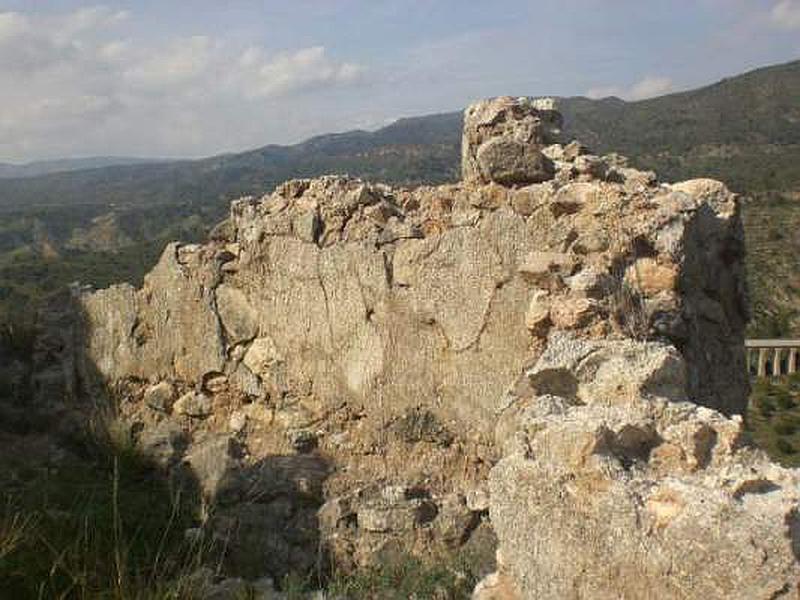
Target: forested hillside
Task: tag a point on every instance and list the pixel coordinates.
(105, 224)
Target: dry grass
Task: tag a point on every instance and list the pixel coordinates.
(628, 305)
(108, 525)
(14, 529)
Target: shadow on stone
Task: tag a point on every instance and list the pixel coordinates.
(268, 522)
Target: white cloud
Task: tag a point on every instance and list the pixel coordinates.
(74, 84)
(85, 20)
(293, 71)
(179, 63)
(786, 14)
(645, 88)
(12, 25)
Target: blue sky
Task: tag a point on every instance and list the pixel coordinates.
(193, 78)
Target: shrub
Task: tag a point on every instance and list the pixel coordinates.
(783, 398)
(784, 446)
(786, 425)
(766, 407)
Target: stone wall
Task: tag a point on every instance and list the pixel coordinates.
(337, 288)
(377, 350)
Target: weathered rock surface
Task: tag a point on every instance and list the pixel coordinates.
(160, 396)
(495, 586)
(164, 443)
(214, 461)
(656, 500)
(193, 404)
(368, 525)
(504, 140)
(451, 312)
(341, 365)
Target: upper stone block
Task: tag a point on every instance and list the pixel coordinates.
(503, 140)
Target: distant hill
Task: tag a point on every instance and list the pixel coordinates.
(45, 167)
(416, 150)
(744, 130)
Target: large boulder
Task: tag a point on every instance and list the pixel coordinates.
(656, 501)
(504, 138)
(510, 162)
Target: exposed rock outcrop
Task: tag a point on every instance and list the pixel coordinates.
(346, 361)
(503, 141)
(628, 492)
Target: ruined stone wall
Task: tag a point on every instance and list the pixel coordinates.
(353, 359)
(336, 288)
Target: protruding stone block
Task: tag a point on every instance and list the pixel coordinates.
(503, 141)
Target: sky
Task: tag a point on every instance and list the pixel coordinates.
(190, 78)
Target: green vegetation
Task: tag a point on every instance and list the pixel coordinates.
(773, 419)
(772, 232)
(102, 523)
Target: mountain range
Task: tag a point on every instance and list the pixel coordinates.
(63, 218)
(744, 130)
(60, 165)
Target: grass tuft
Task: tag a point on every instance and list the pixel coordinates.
(108, 525)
